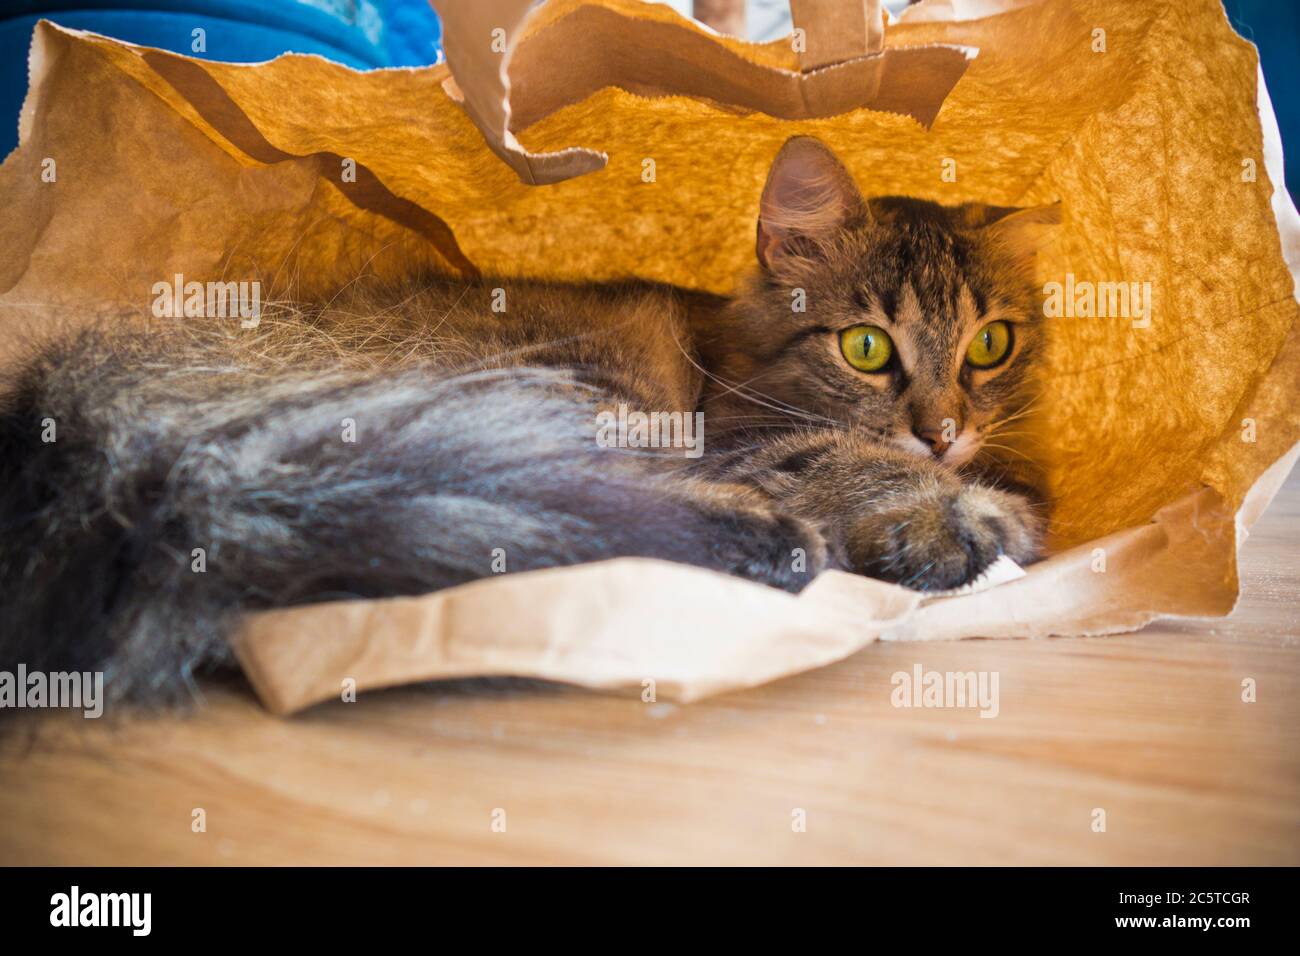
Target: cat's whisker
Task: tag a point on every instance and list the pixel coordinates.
(790, 410)
(1019, 413)
(1001, 434)
(787, 408)
(917, 576)
(1008, 448)
(737, 388)
(784, 407)
(742, 389)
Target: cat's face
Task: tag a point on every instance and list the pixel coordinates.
(912, 320)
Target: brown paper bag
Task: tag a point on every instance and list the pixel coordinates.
(1148, 121)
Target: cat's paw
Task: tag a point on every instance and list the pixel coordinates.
(944, 537)
(775, 548)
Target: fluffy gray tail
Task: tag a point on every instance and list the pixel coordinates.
(147, 500)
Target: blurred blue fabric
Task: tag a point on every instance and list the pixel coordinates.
(359, 33)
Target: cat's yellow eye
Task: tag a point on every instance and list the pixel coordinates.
(990, 345)
(866, 347)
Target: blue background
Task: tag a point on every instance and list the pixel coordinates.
(1274, 27)
(360, 33)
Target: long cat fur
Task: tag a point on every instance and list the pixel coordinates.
(474, 432)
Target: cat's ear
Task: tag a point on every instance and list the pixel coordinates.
(1022, 232)
(809, 195)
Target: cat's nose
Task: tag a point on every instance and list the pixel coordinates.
(934, 438)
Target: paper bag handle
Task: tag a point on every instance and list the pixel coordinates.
(837, 30)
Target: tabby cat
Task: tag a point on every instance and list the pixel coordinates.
(395, 440)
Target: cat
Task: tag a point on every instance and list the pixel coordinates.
(398, 440)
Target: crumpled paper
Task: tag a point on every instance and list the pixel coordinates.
(1161, 437)
(838, 63)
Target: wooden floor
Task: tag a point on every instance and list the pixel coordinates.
(1150, 728)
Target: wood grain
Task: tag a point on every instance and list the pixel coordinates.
(1150, 727)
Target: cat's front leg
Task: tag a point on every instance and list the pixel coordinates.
(893, 516)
